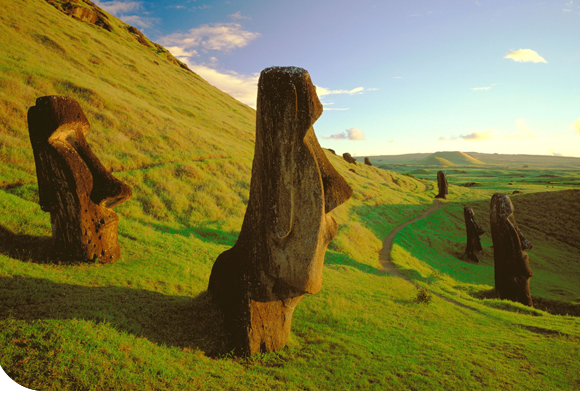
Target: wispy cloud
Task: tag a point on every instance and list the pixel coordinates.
(217, 36)
(350, 134)
(477, 135)
(138, 21)
(179, 52)
(237, 16)
(481, 88)
(576, 126)
(525, 55)
(396, 77)
(477, 3)
(320, 91)
(119, 7)
(523, 131)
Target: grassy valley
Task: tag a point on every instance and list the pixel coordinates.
(186, 148)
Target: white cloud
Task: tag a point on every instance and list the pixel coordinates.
(396, 77)
(241, 87)
(477, 135)
(481, 88)
(320, 91)
(217, 36)
(576, 126)
(138, 21)
(350, 134)
(524, 131)
(477, 3)
(119, 7)
(525, 55)
(238, 15)
(180, 52)
(566, 10)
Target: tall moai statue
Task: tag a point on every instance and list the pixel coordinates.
(474, 231)
(280, 250)
(442, 185)
(73, 185)
(511, 263)
(367, 161)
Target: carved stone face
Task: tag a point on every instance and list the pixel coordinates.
(293, 186)
(73, 185)
(511, 263)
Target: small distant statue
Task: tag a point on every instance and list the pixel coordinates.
(348, 158)
(511, 263)
(280, 250)
(474, 231)
(73, 185)
(332, 151)
(367, 161)
(442, 184)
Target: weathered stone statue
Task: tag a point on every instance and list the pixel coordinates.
(348, 158)
(474, 231)
(367, 161)
(442, 184)
(512, 267)
(280, 250)
(73, 185)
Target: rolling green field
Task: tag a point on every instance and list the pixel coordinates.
(146, 321)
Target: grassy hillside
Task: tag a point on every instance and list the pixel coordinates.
(146, 322)
(449, 158)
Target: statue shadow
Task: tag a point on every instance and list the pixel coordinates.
(28, 248)
(208, 235)
(334, 259)
(172, 320)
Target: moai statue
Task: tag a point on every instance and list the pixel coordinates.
(73, 185)
(512, 267)
(280, 250)
(367, 161)
(442, 184)
(474, 231)
(348, 158)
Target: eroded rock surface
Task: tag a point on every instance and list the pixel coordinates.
(442, 185)
(348, 158)
(511, 262)
(73, 185)
(280, 250)
(474, 231)
(83, 10)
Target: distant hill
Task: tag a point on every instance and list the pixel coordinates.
(449, 158)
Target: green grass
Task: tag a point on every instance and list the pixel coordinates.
(146, 321)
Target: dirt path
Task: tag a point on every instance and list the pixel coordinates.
(385, 254)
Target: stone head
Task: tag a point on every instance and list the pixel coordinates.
(293, 186)
(73, 185)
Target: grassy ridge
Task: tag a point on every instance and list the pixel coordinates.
(146, 322)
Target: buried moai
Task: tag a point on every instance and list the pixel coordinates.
(348, 158)
(442, 185)
(511, 263)
(73, 185)
(474, 231)
(280, 250)
(367, 161)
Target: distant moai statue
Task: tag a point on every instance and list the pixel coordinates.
(442, 185)
(332, 151)
(280, 251)
(73, 185)
(367, 161)
(348, 158)
(474, 231)
(511, 263)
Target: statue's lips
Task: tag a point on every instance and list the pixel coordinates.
(331, 227)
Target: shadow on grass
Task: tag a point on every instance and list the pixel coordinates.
(35, 249)
(555, 307)
(333, 258)
(179, 321)
(204, 234)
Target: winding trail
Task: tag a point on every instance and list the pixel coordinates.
(385, 254)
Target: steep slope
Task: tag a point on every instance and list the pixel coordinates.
(146, 322)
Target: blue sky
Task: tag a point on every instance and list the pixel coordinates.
(395, 76)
